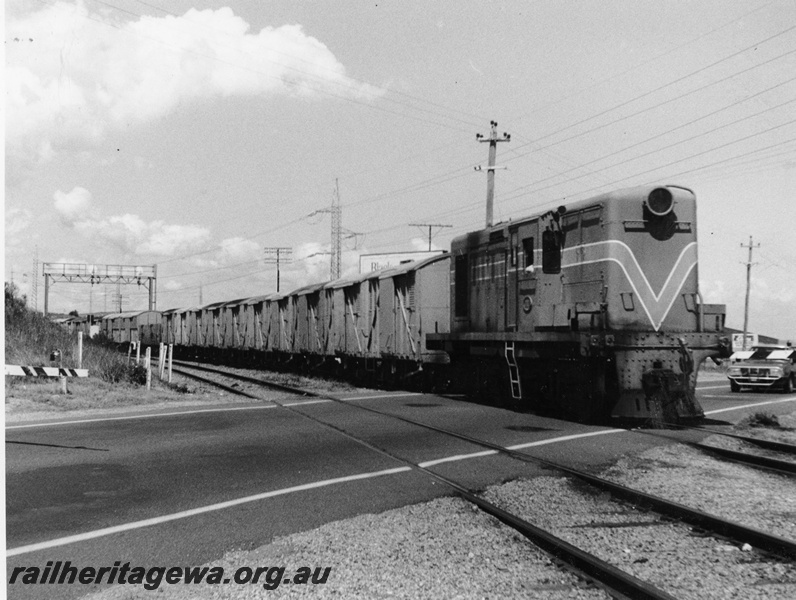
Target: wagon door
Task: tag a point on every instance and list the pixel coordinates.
(405, 326)
(387, 315)
(353, 343)
(373, 316)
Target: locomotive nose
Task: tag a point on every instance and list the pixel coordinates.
(660, 202)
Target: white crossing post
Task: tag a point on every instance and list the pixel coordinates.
(138, 353)
(171, 359)
(161, 360)
(79, 349)
(148, 366)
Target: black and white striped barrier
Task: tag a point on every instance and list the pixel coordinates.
(15, 371)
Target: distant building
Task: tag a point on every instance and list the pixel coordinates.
(376, 262)
(752, 339)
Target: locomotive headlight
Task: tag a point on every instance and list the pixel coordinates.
(660, 202)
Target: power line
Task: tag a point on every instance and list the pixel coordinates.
(430, 227)
(274, 255)
(669, 84)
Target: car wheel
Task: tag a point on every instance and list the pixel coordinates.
(734, 387)
(788, 387)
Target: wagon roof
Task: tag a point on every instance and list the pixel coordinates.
(414, 265)
(345, 281)
(235, 302)
(212, 306)
(308, 289)
(258, 299)
(127, 315)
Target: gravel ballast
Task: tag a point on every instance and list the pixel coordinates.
(448, 549)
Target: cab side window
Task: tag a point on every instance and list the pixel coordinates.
(551, 252)
(527, 250)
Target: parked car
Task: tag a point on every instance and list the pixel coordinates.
(763, 367)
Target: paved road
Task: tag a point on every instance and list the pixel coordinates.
(183, 489)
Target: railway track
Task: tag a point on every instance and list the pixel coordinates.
(638, 510)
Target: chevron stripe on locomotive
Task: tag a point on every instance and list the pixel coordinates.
(587, 312)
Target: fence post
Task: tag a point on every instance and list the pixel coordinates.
(138, 353)
(160, 361)
(171, 359)
(79, 349)
(64, 389)
(148, 364)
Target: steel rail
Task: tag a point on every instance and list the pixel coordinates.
(271, 384)
(781, 466)
(227, 388)
(602, 573)
(768, 444)
(765, 541)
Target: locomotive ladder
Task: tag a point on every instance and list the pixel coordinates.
(514, 371)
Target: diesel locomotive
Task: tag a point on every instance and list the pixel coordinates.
(589, 311)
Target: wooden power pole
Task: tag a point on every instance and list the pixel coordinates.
(490, 170)
(748, 285)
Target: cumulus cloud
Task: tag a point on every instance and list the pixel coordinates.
(133, 235)
(73, 75)
(237, 250)
(127, 232)
(72, 206)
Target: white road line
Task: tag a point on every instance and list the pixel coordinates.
(565, 438)
(381, 396)
(299, 488)
(713, 387)
(81, 537)
(199, 411)
(457, 457)
(756, 404)
(147, 416)
(308, 486)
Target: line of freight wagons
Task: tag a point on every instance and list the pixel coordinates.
(372, 323)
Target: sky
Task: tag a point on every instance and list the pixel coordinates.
(197, 135)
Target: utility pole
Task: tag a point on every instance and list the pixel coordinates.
(274, 256)
(34, 281)
(119, 296)
(490, 170)
(748, 285)
(337, 231)
(429, 225)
